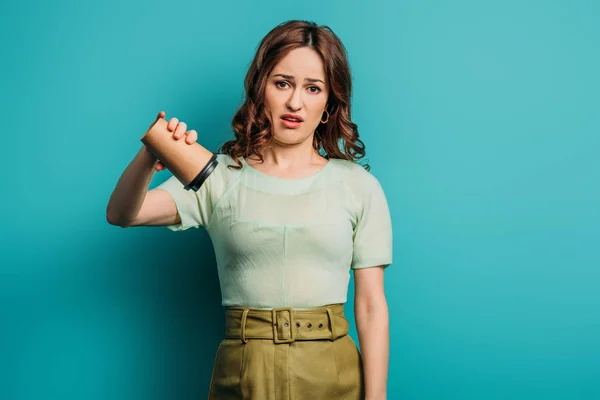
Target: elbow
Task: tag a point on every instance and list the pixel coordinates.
(370, 304)
(372, 312)
(114, 219)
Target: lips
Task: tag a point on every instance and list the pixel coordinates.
(292, 118)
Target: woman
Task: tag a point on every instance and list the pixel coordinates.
(287, 225)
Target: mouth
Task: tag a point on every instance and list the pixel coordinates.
(291, 121)
(292, 117)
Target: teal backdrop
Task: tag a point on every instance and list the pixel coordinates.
(481, 121)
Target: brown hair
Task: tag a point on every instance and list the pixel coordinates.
(250, 124)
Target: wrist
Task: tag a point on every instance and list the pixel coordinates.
(378, 397)
(147, 154)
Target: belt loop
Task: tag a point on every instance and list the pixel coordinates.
(331, 323)
(244, 317)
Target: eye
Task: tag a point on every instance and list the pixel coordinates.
(317, 89)
(281, 82)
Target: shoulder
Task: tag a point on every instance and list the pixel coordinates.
(221, 178)
(354, 175)
(359, 185)
(223, 169)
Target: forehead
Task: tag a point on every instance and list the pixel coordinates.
(302, 63)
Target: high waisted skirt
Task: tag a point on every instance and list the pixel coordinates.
(286, 354)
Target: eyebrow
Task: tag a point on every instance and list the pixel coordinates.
(291, 78)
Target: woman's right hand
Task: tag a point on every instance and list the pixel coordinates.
(179, 130)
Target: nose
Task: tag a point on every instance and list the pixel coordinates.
(294, 102)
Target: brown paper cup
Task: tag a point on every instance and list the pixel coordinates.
(186, 161)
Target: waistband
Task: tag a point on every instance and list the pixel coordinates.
(286, 325)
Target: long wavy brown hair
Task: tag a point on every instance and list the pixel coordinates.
(338, 138)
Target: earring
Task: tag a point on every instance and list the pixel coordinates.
(324, 122)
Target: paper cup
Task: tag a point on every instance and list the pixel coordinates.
(191, 164)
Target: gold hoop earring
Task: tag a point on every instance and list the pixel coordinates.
(324, 122)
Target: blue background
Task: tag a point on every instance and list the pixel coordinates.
(481, 121)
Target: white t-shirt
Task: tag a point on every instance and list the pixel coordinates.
(288, 242)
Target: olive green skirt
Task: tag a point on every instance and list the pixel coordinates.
(285, 354)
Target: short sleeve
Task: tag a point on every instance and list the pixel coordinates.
(196, 209)
(372, 234)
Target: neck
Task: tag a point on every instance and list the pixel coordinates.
(285, 157)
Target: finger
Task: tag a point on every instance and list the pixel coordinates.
(172, 124)
(180, 130)
(159, 166)
(191, 136)
(160, 115)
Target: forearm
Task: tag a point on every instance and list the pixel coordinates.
(372, 323)
(130, 191)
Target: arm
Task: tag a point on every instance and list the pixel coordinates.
(131, 204)
(372, 322)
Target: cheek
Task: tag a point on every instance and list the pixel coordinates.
(271, 101)
(273, 95)
(316, 110)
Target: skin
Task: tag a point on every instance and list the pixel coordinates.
(372, 324)
(291, 156)
(296, 85)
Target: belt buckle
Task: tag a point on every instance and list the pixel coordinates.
(292, 337)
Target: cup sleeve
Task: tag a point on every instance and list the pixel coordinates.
(194, 208)
(372, 233)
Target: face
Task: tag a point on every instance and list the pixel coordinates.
(296, 96)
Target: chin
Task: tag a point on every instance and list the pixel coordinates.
(290, 136)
